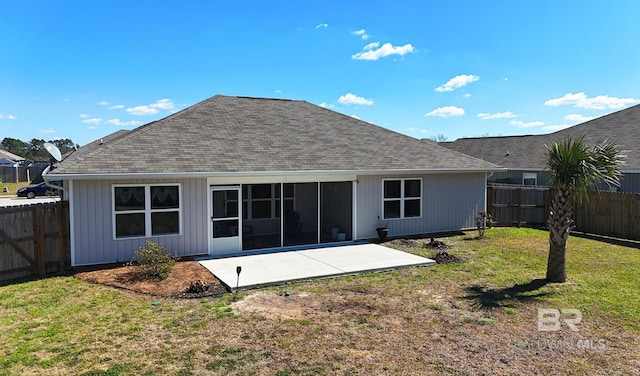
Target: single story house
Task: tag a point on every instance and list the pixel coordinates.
(524, 157)
(236, 174)
(10, 167)
(8, 159)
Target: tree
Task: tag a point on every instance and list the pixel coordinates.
(440, 137)
(64, 145)
(575, 168)
(15, 146)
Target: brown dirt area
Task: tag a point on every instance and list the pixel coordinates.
(180, 282)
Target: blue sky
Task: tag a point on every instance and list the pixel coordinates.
(85, 69)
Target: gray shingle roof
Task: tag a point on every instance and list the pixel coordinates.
(238, 134)
(621, 127)
(10, 156)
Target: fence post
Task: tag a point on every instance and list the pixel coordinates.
(38, 240)
(489, 199)
(62, 251)
(519, 207)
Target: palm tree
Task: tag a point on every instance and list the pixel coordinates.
(574, 168)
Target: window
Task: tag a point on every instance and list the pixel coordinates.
(529, 178)
(262, 201)
(146, 210)
(402, 198)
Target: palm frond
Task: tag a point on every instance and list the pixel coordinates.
(578, 167)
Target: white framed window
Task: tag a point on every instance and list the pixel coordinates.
(146, 210)
(529, 178)
(401, 198)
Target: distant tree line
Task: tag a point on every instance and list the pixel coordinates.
(34, 150)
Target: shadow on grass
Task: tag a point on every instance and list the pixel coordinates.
(485, 298)
(607, 239)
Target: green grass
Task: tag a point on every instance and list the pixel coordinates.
(12, 188)
(445, 318)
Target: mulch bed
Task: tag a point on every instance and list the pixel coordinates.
(187, 279)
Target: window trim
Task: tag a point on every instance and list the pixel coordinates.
(402, 198)
(147, 211)
(535, 178)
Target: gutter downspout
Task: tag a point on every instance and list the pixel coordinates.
(49, 184)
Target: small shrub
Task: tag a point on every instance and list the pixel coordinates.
(154, 261)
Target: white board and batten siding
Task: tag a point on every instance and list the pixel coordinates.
(450, 202)
(92, 216)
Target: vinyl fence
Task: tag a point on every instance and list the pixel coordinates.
(34, 240)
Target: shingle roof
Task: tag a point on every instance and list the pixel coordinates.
(10, 156)
(621, 127)
(238, 134)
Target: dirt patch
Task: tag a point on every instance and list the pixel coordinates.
(301, 305)
(187, 279)
(444, 257)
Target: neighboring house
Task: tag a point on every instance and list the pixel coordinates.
(235, 174)
(525, 156)
(9, 159)
(11, 167)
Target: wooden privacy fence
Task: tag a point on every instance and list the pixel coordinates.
(604, 213)
(609, 213)
(34, 240)
(514, 205)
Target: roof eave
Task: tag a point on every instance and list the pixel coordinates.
(209, 174)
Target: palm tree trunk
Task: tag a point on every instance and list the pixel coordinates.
(560, 224)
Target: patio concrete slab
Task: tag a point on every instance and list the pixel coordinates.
(292, 266)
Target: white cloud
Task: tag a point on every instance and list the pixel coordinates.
(151, 109)
(578, 118)
(521, 124)
(83, 116)
(47, 131)
(354, 99)
(371, 46)
(553, 128)
(8, 117)
(355, 116)
(92, 121)
(467, 95)
(93, 127)
(142, 110)
(116, 107)
(446, 111)
(457, 81)
(163, 104)
(372, 52)
(498, 115)
(322, 26)
(103, 103)
(120, 123)
(581, 100)
(278, 91)
(361, 33)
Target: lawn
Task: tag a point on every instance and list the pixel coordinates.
(12, 188)
(478, 316)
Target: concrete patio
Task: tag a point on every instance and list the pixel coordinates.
(293, 266)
